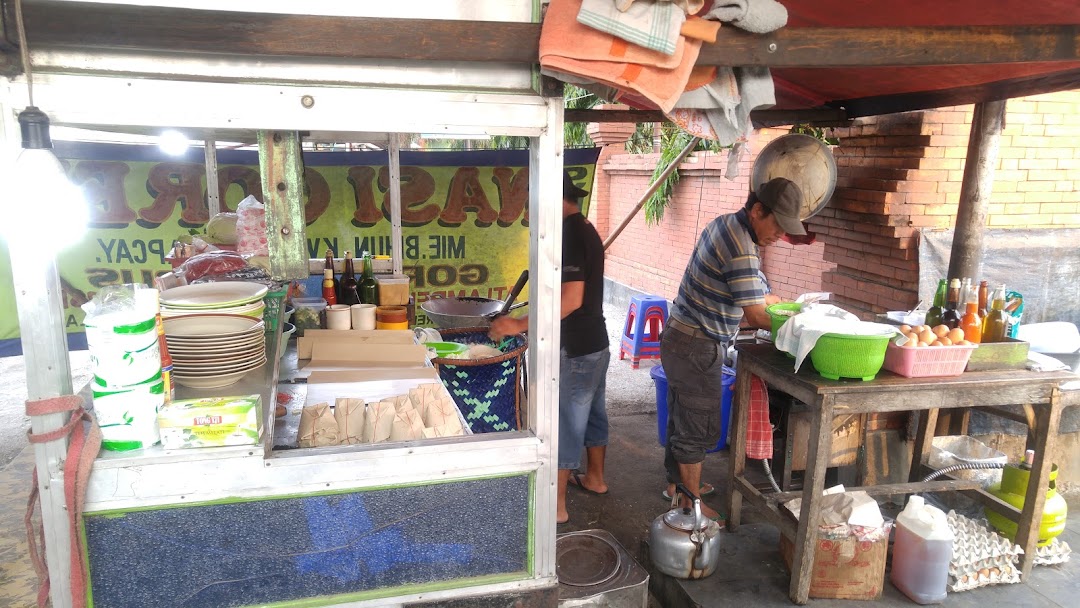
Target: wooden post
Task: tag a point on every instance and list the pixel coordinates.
(965, 259)
(283, 194)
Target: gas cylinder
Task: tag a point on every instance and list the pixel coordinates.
(1013, 489)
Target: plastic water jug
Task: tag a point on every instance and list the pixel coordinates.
(922, 552)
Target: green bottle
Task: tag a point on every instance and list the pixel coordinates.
(933, 316)
(368, 291)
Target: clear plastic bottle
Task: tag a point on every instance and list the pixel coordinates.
(922, 552)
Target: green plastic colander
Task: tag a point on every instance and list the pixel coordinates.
(838, 356)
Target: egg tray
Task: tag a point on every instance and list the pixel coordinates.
(927, 361)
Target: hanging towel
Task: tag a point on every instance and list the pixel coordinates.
(653, 25)
(700, 29)
(759, 432)
(567, 46)
(689, 7)
(758, 16)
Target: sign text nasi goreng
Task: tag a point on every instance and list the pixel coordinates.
(464, 216)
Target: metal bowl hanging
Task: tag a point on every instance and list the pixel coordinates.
(804, 160)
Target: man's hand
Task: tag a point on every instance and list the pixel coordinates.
(507, 326)
(770, 299)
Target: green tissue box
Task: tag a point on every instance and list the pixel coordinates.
(210, 422)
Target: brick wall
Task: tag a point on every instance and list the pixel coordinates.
(897, 174)
(653, 258)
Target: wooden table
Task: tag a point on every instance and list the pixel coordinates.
(1044, 395)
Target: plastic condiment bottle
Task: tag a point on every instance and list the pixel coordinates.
(922, 552)
(328, 293)
(971, 323)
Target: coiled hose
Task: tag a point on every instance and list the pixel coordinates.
(963, 467)
(768, 473)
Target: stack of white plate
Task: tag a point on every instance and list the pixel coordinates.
(228, 298)
(214, 350)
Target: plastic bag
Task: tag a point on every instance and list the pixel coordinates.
(251, 227)
(212, 263)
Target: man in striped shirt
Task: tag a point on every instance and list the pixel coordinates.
(721, 286)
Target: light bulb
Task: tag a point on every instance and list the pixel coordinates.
(44, 209)
(173, 143)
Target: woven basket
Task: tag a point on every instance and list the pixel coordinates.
(838, 356)
(487, 391)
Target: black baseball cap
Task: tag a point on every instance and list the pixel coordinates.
(785, 199)
(571, 191)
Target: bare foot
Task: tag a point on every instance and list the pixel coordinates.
(561, 517)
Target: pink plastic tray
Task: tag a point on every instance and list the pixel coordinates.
(927, 361)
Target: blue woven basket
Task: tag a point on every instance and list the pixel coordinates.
(487, 391)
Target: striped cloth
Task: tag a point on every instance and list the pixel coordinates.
(722, 278)
(653, 25)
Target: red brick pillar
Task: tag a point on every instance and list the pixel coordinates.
(611, 137)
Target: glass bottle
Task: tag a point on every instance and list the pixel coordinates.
(971, 323)
(368, 286)
(933, 316)
(984, 292)
(349, 289)
(329, 265)
(995, 326)
(328, 292)
(950, 317)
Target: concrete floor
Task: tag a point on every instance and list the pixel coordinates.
(750, 572)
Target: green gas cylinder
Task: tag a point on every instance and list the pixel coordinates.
(1013, 489)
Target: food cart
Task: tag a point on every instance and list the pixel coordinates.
(417, 522)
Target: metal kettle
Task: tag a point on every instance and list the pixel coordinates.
(683, 543)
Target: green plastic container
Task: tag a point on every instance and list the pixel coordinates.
(838, 356)
(445, 349)
(780, 319)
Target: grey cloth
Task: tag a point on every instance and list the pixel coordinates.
(758, 16)
(755, 89)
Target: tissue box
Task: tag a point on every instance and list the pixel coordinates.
(210, 422)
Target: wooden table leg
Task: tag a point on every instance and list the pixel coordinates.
(817, 463)
(924, 439)
(740, 414)
(1047, 418)
(789, 448)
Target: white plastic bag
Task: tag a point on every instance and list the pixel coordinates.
(251, 227)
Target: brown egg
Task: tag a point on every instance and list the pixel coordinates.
(941, 330)
(945, 341)
(921, 343)
(910, 343)
(963, 343)
(956, 335)
(936, 343)
(904, 329)
(912, 336)
(918, 329)
(927, 336)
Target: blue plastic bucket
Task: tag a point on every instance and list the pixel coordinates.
(660, 379)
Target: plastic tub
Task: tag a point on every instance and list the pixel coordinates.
(308, 313)
(393, 289)
(660, 379)
(927, 361)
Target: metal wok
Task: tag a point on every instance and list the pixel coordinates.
(454, 313)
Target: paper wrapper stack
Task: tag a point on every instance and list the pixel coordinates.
(318, 427)
(424, 412)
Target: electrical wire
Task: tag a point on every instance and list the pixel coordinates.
(768, 473)
(24, 51)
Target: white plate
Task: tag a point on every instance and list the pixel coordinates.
(211, 343)
(211, 381)
(211, 353)
(183, 365)
(219, 371)
(253, 310)
(213, 295)
(210, 326)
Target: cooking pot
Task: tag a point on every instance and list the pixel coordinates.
(683, 543)
(459, 312)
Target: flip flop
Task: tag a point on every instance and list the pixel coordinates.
(709, 491)
(575, 482)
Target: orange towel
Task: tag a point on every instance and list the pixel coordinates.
(567, 46)
(700, 29)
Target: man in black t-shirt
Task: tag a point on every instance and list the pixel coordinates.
(584, 358)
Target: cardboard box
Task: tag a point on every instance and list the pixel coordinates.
(847, 569)
(370, 354)
(210, 422)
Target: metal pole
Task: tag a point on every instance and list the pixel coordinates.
(965, 260)
(652, 189)
(213, 194)
(393, 149)
(40, 306)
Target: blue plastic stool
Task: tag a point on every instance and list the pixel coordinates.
(646, 312)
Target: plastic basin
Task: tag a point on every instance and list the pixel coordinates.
(660, 379)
